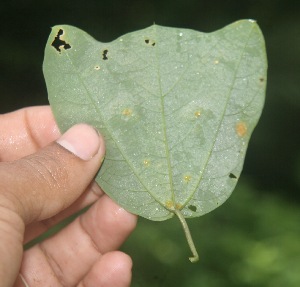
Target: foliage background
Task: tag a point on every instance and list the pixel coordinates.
(254, 238)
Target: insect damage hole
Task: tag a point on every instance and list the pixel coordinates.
(150, 42)
(104, 54)
(192, 208)
(58, 43)
(231, 175)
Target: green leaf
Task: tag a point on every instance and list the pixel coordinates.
(176, 107)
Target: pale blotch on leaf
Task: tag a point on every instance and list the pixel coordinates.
(241, 129)
(216, 62)
(127, 112)
(146, 162)
(97, 68)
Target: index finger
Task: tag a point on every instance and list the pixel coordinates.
(25, 131)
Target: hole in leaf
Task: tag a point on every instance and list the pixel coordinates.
(104, 54)
(231, 175)
(192, 208)
(58, 43)
(150, 42)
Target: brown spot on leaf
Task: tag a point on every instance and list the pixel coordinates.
(241, 129)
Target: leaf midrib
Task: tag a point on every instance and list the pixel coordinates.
(164, 124)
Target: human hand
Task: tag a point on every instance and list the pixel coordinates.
(40, 184)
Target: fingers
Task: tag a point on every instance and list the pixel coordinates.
(70, 255)
(25, 131)
(42, 184)
(92, 193)
(111, 270)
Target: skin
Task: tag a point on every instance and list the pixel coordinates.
(41, 183)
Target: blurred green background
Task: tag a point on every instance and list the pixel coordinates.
(254, 238)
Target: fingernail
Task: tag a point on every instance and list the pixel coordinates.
(82, 140)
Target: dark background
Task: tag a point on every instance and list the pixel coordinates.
(253, 239)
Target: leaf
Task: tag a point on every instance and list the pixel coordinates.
(176, 107)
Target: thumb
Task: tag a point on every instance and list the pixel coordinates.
(42, 184)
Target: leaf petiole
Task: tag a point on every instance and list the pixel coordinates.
(188, 236)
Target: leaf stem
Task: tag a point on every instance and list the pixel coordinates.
(188, 236)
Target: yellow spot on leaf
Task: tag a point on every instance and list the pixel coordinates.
(127, 112)
(169, 204)
(178, 206)
(97, 68)
(146, 162)
(187, 178)
(216, 62)
(197, 114)
(241, 129)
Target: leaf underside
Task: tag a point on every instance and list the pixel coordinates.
(176, 107)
